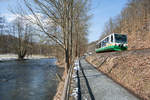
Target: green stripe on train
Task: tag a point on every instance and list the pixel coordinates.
(111, 48)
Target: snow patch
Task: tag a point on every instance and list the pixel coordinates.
(6, 57)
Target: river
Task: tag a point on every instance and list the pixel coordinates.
(29, 79)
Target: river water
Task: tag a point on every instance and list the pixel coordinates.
(28, 79)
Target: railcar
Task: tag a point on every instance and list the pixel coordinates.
(112, 42)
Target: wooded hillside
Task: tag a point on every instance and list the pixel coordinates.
(134, 20)
(7, 43)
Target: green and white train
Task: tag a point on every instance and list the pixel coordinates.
(112, 42)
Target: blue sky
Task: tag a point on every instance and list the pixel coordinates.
(101, 10)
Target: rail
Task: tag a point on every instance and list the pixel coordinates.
(65, 95)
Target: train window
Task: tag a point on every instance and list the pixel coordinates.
(120, 38)
(111, 38)
(107, 39)
(103, 43)
(100, 45)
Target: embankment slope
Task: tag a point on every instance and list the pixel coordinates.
(131, 69)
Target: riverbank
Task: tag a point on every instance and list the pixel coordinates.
(6, 57)
(60, 86)
(131, 69)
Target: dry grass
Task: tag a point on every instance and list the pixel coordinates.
(130, 70)
(60, 87)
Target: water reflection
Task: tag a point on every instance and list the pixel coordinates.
(28, 80)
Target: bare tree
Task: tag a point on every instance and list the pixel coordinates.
(22, 34)
(56, 19)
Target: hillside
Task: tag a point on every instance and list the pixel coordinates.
(134, 21)
(91, 46)
(131, 69)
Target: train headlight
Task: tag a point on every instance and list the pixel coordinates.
(125, 45)
(116, 44)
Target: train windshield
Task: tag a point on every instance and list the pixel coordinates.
(120, 38)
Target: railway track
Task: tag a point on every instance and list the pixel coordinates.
(132, 51)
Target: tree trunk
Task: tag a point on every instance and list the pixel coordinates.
(22, 54)
(67, 60)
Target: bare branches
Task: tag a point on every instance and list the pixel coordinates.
(39, 23)
(61, 20)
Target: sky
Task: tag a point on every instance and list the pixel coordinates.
(101, 11)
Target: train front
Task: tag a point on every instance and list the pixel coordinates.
(121, 41)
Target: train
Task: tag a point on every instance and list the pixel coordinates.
(112, 42)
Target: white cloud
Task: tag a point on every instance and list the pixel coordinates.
(9, 17)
